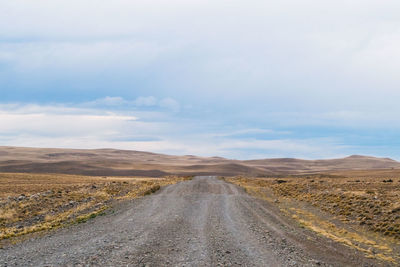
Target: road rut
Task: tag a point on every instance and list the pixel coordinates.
(202, 222)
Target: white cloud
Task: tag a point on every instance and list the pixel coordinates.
(75, 56)
(147, 101)
(245, 64)
(250, 132)
(292, 51)
(60, 121)
(170, 103)
(356, 119)
(74, 127)
(107, 101)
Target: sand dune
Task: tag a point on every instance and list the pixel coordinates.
(112, 162)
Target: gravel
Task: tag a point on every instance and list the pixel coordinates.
(202, 222)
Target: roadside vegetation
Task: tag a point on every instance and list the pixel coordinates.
(358, 209)
(36, 202)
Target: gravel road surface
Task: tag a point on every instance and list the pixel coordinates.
(202, 222)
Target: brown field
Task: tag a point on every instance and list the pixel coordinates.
(35, 202)
(360, 209)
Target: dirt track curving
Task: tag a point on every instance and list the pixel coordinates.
(203, 222)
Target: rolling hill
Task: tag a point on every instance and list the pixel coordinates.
(113, 162)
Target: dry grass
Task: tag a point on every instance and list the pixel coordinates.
(361, 211)
(35, 202)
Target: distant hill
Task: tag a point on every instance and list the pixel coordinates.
(298, 166)
(113, 162)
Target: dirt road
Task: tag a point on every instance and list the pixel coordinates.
(203, 222)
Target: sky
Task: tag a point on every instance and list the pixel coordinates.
(239, 79)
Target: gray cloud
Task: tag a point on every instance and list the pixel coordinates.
(341, 53)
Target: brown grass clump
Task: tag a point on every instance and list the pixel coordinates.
(36, 202)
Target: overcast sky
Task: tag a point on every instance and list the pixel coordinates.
(239, 79)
